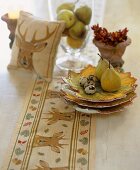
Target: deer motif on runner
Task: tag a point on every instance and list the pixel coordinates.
(56, 116)
(26, 49)
(53, 94)
(45, 166)
(53, 142)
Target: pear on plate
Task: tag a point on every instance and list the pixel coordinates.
(101, 67)
(67, 16)
(69, 6)
(110, 80)
(84, 14)
(78, 30)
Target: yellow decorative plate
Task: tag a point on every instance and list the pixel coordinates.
(127, 86)
(69, 97)
(101, 102)
(104, 111)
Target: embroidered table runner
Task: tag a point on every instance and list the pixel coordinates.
(50, 134)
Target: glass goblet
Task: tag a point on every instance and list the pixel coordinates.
(75, 38)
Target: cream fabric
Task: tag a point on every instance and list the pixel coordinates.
(30, 54)
(50, 134)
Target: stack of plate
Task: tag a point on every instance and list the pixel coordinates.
(101, 102)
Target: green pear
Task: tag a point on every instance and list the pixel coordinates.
(75, 43)
(77, 31)
(65, 32)
(69, 6)
(67, 16)
(110, 80)
(101, 67)
(84, 14)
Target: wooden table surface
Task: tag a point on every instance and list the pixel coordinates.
(117, 136)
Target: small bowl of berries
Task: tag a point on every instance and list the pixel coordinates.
(111, 45)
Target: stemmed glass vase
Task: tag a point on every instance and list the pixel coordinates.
(77, 15)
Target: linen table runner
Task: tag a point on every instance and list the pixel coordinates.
(50, 134)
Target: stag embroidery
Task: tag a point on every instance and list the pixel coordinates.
(45, 166)
(53, 142)
(26, 49)
(53, 94)
(56, 116)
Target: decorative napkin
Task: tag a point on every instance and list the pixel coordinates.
(35, 45)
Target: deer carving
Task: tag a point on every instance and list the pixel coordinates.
(26, 49)
(45, 166)
(53, 142)
(56, 116)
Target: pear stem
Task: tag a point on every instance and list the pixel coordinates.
(100, 56)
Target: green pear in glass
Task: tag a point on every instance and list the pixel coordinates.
(69, 6)
(84, 13)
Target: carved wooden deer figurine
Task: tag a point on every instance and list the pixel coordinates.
(53, 141)
(56, 116)
(26, 49)
(45, 166)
